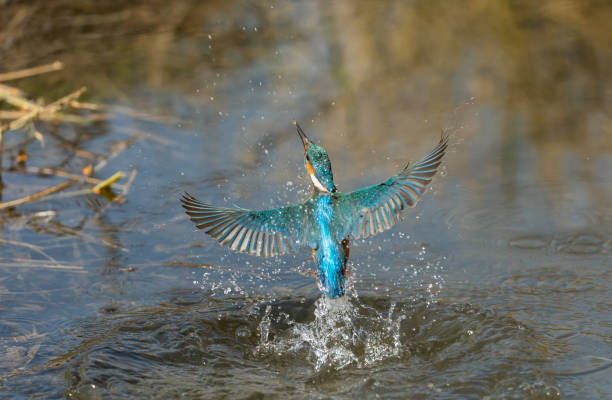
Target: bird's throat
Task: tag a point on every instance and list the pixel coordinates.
(313, 176)
(317, 183)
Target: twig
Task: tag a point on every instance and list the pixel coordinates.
(81, 192)
(65, 174)
(85, 106)
(10, 114)
(126, 188)
(7, 93)
(24, 73)
(56, 117)
(128, 184)
(36, 196)
(50, 109)
(106, 183)
(64, 195)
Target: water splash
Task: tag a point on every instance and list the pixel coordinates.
(345, 332)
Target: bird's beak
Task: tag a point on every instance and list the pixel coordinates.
(305, 140)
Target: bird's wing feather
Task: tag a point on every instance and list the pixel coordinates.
(376, 208)
(264, 233)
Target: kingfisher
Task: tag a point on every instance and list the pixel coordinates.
(326, 221)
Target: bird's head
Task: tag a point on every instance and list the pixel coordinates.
(317, 164)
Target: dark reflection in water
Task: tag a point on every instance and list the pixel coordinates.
(496, 286)
(189, 346)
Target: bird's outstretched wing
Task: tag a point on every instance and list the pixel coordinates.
(262, 233)
(376, 208)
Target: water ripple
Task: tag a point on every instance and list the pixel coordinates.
(568, 243)
(203, 347)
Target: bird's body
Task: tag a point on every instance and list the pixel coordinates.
(329, 254)
(325, 221)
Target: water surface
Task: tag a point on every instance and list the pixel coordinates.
(497, 285)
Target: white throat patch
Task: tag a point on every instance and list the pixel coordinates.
(317, 183)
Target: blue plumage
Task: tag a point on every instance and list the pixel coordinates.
(329, 254)
(325, 221)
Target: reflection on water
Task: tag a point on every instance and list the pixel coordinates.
(496, 286)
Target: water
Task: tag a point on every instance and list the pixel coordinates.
(497, 285)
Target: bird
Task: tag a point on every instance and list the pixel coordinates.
(326, 221)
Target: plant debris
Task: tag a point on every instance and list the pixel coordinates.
(21, 120)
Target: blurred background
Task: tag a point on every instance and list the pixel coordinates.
(119, 296)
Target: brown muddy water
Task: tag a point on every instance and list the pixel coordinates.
(497, 285)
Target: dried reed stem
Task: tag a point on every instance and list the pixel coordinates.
(50, 109)
(24, 73)
(56, 117)
(106, 183)
(69, 175)
(37, 195)
(8, 94)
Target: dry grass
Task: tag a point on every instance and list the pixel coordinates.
(31, 126)
(21, 121)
